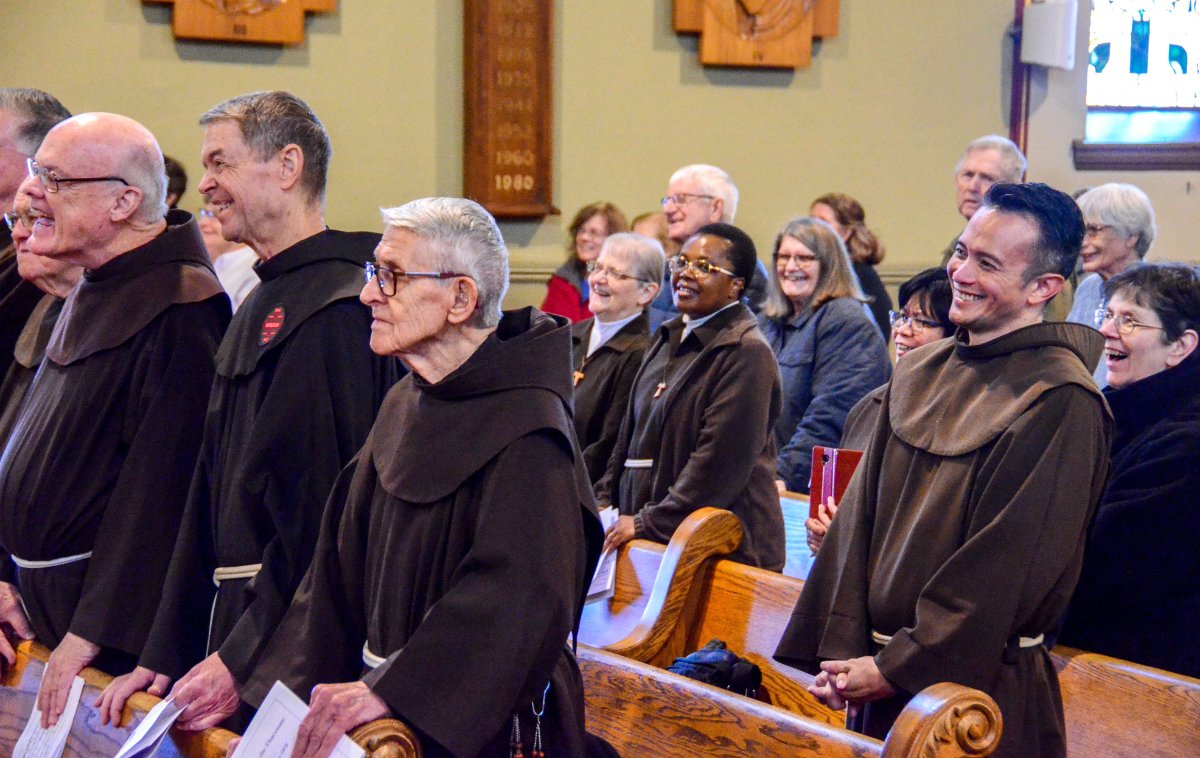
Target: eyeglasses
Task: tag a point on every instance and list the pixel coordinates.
(388, 278)
(1125, 323)
(1091, 230)
(700, 266)
(27, 219)
(51, 181)
(917, 325)
(681, 198)
(206, 213)
(801, 260)
(610, 273)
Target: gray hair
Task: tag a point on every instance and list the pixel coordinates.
(465, 239)
(645, 252)
(836, 278)
(41, 112)
(713, 181)
(270, 121)
(1011, 159)
(1125, 208)
(145, 170)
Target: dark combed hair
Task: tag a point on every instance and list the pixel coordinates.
(176, 177)
(931, 288)
(270, 121)
(1059, 222)
(1171, 290)
(41, 110)
(742, 252)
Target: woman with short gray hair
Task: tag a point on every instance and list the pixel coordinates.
(830, 352)
(1119, 231)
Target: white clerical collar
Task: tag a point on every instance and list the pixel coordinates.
(602, 332)
(690, 324)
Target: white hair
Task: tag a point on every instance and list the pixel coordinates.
(646, 253)
(145, 170)
(713, 181)
(1011, 159)
(1125, 208)
(465, 239)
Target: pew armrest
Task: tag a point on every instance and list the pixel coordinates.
(707, 534)
(387, 738)
(945, 720)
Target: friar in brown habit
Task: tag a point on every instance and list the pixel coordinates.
(607, 349)
(457, 546)
(960, 538)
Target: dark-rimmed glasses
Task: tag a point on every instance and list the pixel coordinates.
(700, 266)
(1091, 230)
(681, 198)
(1125, 323)
(611, 273)
(388, 278)
(51, 181)
(917, 325)
(27, 218)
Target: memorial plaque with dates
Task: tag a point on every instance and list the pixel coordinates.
(507, 146)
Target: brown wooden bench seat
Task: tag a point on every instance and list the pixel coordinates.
(645, 711)
(657, 586)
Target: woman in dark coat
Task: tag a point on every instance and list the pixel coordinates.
(1138, 597)
(848, 219)
(830, 353)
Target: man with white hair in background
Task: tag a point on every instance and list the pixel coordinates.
(25, 117)
(700, 194)
(97, 467)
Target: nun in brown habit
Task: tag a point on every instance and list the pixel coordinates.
(960, 538)
(457, 547)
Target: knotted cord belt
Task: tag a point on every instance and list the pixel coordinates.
(22, 563)
(884, 639)
(224, 574)
(370, 660)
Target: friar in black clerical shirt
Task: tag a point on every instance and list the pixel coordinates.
(96, 470)
(297, 389)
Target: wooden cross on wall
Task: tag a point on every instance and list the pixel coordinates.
(760, 33)
(279, 22)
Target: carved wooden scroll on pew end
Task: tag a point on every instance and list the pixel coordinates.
(387, 738)
(945, 720)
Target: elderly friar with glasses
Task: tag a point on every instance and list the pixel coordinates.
(458, 546)
(697, 430)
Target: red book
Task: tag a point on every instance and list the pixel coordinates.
(831, 472)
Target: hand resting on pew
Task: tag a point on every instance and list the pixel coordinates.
(620, 533)
(71, 656)
(208, 692)
(334, 710)
(112, 700)
(849, 684)
(12, 619)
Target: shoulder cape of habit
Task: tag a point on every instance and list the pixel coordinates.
(297, 283)
(517, 382)
(113, 303)
(979, 391)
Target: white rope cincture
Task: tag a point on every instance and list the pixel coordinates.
(22, 563)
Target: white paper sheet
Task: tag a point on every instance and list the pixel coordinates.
(604, 581)
(150, 731)
(36, 742)
(273, 731)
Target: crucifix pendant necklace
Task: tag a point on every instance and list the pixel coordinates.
(659, 389)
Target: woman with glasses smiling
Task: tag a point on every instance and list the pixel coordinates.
(1138, 596)
(697, 429)
(829, 350)
(567, 291)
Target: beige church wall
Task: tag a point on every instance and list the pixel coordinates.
(1057, 115)
(882, 113)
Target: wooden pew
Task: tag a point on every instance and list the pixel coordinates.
(645, 711)
(386, 738)
(657, 585)
(1118, 709)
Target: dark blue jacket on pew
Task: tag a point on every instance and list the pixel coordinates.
(829, 360)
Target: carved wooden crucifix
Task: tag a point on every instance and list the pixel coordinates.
(278, 22)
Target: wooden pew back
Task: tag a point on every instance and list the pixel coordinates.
(658, 585)
(1117, 709)
(88, 738)
(643, 711)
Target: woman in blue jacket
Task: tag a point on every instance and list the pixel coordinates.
(830, 352)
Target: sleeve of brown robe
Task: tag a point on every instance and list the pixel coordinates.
(1033, 503)
(733, 432)
(135, 538)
